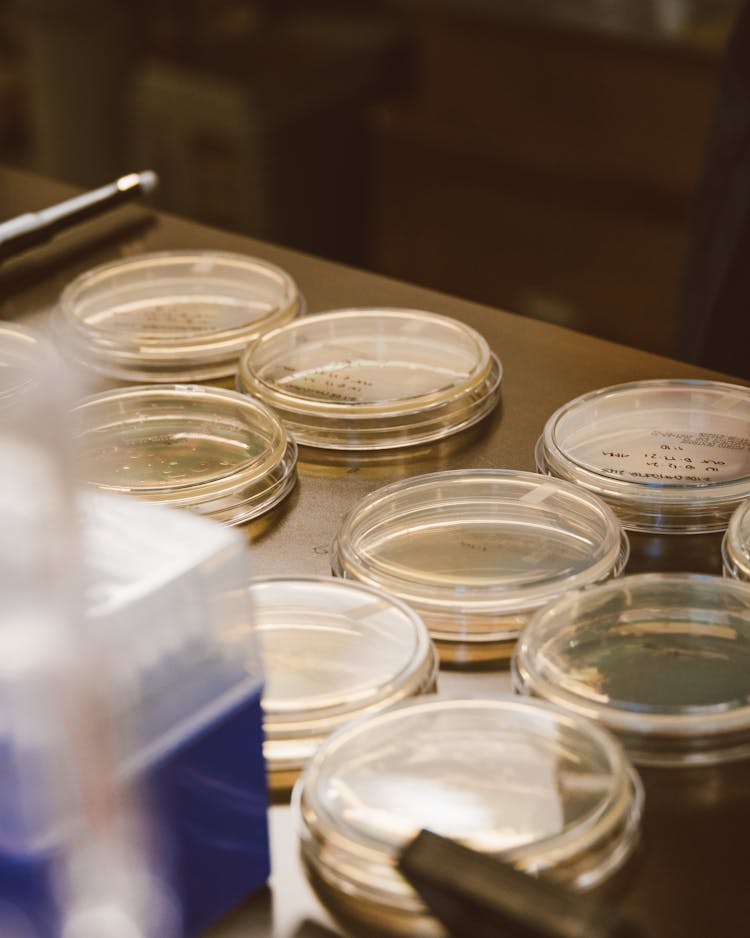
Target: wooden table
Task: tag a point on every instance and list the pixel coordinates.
(691, 875)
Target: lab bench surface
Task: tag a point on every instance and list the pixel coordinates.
(689, 877)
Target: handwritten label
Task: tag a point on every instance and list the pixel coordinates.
(669, 457)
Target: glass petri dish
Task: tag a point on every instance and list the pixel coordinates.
(669, 456)
(210, 450)
(173, 315)
(20, 351)
(735, 547)
(547, 791)
(476, 551)
(332, 650)
(662, 660)
(361, 379)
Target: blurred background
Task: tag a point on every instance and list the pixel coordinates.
(536, 155)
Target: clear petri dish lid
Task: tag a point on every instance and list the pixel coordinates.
(476, 551)
(332, 650)
(662, 660)
(173, 315)
(361, 379)
(545, 790)
(210, 450)
(23, 355)
(735, 547)
(668, 455)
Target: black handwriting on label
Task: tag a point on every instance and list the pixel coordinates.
(705, 439)
(666, 476)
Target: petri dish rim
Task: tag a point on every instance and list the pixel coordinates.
(279, 455)
(21, 347)
(704, 722)
(347, 560)
(735, 545)
(434, 411)
(620, 811)
(297, 403)
(294, 729)
(417, 664)
(643, 497)
(203, 354)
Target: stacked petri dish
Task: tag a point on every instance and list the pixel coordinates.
(173, 315)
(20, 350)
(552, 793)
(736, 543)
(669, 456)
(332, 651)
(210, 450)
(661, 660)
(373, 379)
(476, 551)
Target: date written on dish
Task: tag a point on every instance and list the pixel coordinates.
(665, 463)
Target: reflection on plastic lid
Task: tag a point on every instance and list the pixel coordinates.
(174, 315)
(476, 551)
(359, 379)
(668, 455)
(662, 660)
(213, 451)
(736, 543)
(550, 792)
(331, 651)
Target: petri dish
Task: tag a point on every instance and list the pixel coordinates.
(373, 379)
(662, 660)
(331, 650)
(213, 451)
(669, 456)
(173, 315)
(735, 548)
(476, 551)
(550, 792)
(22, 356)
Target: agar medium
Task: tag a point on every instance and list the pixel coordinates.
(550, 792)
(373, 379)
(661, 660)
(173, 315)
(332, 651)
(669, 456)
(476, 551)
(210, 450)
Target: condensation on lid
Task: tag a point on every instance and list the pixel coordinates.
(173, 315)
(332, 650)
(663, 660)
(358, 379)
(213, 451)
(735, 546)
(475, 551)
(510, 777)
(668, 455)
